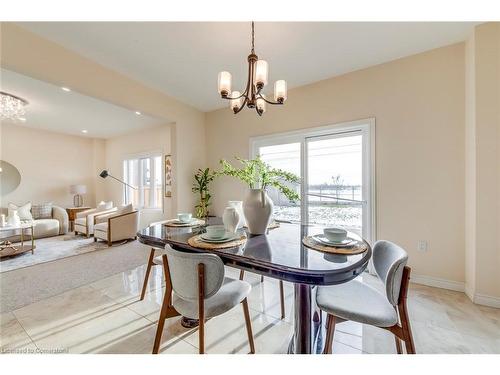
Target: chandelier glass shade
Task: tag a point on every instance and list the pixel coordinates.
(252, 96)
(12, 107)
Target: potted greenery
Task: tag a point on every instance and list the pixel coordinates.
(257, 206)
(203, 178)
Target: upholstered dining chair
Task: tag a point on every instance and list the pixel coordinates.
(201, 291)
(359, 302)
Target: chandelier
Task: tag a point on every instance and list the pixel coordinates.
(252, 97)
(12, 107)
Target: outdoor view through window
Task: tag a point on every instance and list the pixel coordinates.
(333, 184)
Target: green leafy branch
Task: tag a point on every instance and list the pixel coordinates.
(257, 174)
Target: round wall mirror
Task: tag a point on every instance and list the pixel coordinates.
(10, 178)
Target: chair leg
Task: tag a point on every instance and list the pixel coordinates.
(148, 270)
(161, 321)
(330, 331)
(399, 348)
(201, 307)
(262, 279)
(282, 298)
(405, 324)
(248, 323)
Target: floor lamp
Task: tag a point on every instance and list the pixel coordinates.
(105, 174)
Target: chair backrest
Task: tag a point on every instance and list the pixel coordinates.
(389, 260)
(183, 268)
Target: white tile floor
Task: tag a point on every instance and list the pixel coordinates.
(107, 317)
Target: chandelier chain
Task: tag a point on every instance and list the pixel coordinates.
(253, 38)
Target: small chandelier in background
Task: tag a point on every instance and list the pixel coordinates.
(252, 97)
(12, 107)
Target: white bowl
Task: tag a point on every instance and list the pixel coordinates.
(335, 234)
(184, 217)
(215, 231)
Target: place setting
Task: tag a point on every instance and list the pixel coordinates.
(336, 240)
(217, 237)
(184, 220)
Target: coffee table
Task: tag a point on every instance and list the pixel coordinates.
(7, 248)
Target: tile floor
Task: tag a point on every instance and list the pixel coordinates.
(107, 317)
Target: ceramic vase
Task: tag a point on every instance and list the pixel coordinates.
(231, 218)
(258, 210)
(239, 207)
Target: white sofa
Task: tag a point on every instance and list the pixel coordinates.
(85, 220)
(56, 225)
(117, 226)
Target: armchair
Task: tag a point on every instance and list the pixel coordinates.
(85, 220)
(117, 226)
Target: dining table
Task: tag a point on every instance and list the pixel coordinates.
(278, 254)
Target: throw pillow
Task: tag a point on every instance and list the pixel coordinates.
(102, 206)
(42, 211)
(23, 211)
(126, 209)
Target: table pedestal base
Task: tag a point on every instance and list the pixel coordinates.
(189, 323)
(308, 332)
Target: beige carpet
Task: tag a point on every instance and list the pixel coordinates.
(50, 249)
(52, 271)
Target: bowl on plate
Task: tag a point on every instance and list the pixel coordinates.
(335, 234)
(215, 231)
(184, 217)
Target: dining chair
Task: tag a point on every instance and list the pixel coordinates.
(360, 302)
(201, 291)
(152, 261)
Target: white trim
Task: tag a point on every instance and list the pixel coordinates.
(438, 283)
(483, 299)
(365, 126)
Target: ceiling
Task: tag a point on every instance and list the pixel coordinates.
(183, 59)
(51, 108)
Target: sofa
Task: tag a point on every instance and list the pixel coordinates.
(56, 225)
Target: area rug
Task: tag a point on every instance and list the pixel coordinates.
(82, 263)
(50, 249)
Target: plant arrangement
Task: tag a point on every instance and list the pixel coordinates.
(259, 175)
(203, 178)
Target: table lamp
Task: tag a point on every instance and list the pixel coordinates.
(78, 190)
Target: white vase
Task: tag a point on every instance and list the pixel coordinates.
(231, 218)
(239, 207)
(14, 218)
(258, 210)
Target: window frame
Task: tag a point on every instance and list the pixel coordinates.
(366, 127)
(151, 155)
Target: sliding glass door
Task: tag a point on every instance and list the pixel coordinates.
(335, 164)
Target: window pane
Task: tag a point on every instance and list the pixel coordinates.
(157, 182)
(286, 157)
(335, 173)
(145, 183)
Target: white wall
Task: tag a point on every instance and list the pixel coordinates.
(117, 149)
(418, 105)
(49, 163)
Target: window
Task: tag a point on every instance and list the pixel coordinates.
(335, 164)
(145, 174)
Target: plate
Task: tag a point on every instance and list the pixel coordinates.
(322, 239)
(227, 238)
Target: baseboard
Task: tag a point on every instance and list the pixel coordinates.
(482, 299)
(477, 298)
(438, 283)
